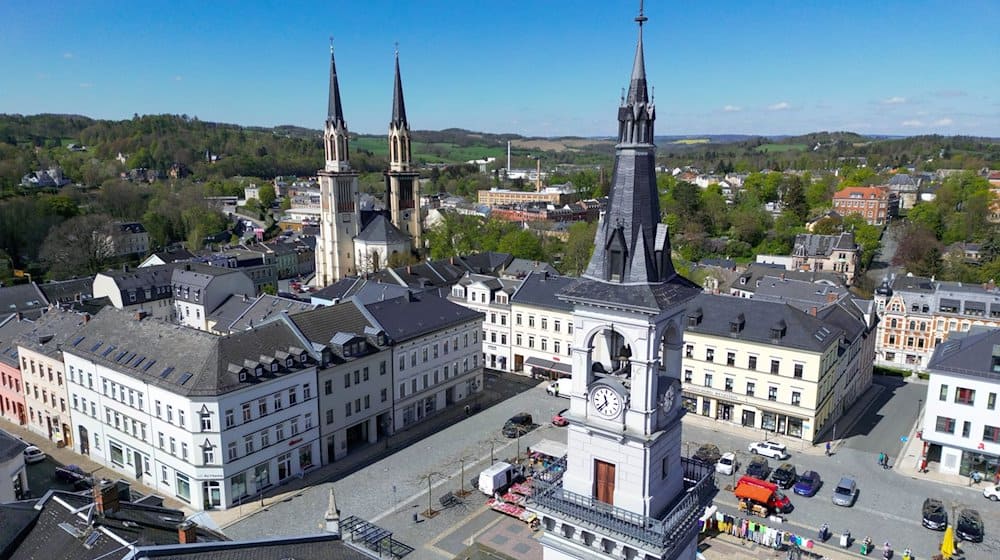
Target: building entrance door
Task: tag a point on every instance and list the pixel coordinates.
(604, 482)
(724, 412)
(749, 418)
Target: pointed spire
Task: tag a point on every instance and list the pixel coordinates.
(398, 106)
(335, 112)
(637, 86)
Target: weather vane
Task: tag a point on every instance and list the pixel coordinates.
(641, 18)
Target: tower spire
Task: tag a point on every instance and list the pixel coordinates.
(335, 112)
(637, 86)
(398, 105)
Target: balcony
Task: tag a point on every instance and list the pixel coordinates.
(672, 531)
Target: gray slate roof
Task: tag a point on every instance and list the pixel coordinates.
(381, 230)
(15, 519)
(798, 293)
(541, 290)
(412, 316)
(802, 331)
(973, 355)
(313, 547)
(756, 272)
(209, 364)
(239, 313)
(644, 298)
(25, 299)
(10, 447)
(814, 245)
(52, 331)
(137, 280)
(10, 330)
(519, 268)
(68, 290)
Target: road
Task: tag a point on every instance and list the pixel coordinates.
(390, 491)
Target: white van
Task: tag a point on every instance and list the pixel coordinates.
(497, 478)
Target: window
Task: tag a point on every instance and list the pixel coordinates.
(231, 451)
(943, 394)
(160, 439)
(347, 409)
(772, 393)
(347, 380)
(708, 379)
(709, 354)
(279, 432)
(184, 451)
(965, 396)
(230, 420)
(751, 386)
(966, 428)
(556, 346)
(327, 387)
(798, 370)
(531, 321)
(423, 354)
(207, 455)
(173, 446)
(945, 425)
(796, 398)
(248, 444)
(262, 406)
(157, 406)
(293, 396)
(385, 395)
(329, 416)
(183, 487)
(730, 358)
(517, 319)
(206, 423)
(307, 392)
(991, 401)
(295, 426)
(775, 366)
(555, 325)
(170, 413)
(689, 351)
(402, 363)
(752, 362)
(991, 433)
(277, 401)
(517, 339)
(180, 418)
(265, 439)
(729, 383)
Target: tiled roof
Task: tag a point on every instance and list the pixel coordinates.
(239, 313)
(813, 245)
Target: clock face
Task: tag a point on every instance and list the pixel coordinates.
(606, 401)
(667, 401)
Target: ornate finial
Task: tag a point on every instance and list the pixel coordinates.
(641, 18)
(652, 94)
(331, 44)
(396, 44)
(623, 96)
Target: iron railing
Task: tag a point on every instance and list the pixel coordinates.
(665, 533)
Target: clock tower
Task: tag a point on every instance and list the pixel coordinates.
(626, 491)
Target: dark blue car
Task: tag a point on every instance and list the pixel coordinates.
(807, 484)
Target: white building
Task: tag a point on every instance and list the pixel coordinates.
(209, 420)
(144, 289)
(491, 297)
(437, 357)
(199, 289)
(961, 426)
(542, 336)
(13, 477)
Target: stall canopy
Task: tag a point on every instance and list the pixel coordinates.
(551, 448)
(539, 365)
(752, 492)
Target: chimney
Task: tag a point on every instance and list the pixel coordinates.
(812, 311)
(124, 268)
(19, 316)
(106, 498)
(332, 516)
(831, 297)
(187, 532)
(408, 270)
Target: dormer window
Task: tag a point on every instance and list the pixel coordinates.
(258, 371)
(243, 375)
(778, 329)
(694, 317)
(274, 367)
(289, 361)
(736, 324)
(302, 358)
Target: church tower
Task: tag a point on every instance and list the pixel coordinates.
(626, 492)
(402, 186)
(340, 217)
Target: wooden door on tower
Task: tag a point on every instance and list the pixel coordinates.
(604, 482)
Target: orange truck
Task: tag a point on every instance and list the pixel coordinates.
(760, 497)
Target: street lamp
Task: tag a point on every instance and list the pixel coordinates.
(259, 479)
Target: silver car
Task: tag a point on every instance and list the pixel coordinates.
(846, 492)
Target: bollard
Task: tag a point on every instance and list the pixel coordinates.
(415, 520)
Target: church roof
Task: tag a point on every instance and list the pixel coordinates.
(381, 230)
(335, 111)
(398, 106)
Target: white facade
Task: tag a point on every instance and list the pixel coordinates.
(355, 405)
(489, 296)
(209, 452)
(199, 289)
(542, 336)
(373, 256)
(961, 417)
(158, 305)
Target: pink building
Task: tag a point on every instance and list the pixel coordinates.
(12, 407)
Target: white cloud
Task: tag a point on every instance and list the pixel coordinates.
(779, 106)
(897, 100)
(943, 122)
(86, 85)
(68, 55)
(912, 123)
(732, 109)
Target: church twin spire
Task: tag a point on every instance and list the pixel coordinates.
(335, 138)
(399, 127)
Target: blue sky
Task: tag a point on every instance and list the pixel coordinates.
(540, 68)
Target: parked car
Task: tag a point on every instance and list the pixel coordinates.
(846, 492)
(518, 425)
(758, 468)
(785, 475)
(807, 484)
(33, 455)
(934, 515)
(559, 419)
(727, 464)
(708, 454)
(969, 526)
(72, 474)
(992, 492)
(771, 449)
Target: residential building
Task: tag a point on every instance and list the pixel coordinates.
(146, 289)
(39, 350)
(129, 238)
(259, 266)
(837, 253)
(624, 491)
(12, 405)
(917, 314)
(45, 178)
(906, 188)
(755, 275)
(355, 386)
(760, 364)
(437, 358)
(108, 523)
(556, 195)
(961, 425)
(212, 420)
(240, 313)
(286, 258)
(491, 297)
(542, 331)
(877, 205)
(13, 476)
(24, 300)
(167, 256)
(199, 289)
(65, 292)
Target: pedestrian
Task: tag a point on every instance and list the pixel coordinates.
(827, 449)
(881, 459)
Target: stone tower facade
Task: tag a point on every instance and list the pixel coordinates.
(402, 184)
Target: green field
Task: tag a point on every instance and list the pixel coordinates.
(690, 141)
(438, 152)
(780, 148)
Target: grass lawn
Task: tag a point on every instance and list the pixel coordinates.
(779, 148)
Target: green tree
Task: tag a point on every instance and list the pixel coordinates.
(523, 244)
(579, 247)
(267, 195)
(79, 246)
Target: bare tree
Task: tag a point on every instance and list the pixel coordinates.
(79, 246)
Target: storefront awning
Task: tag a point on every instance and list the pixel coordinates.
(551, 448)
(540, 364)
